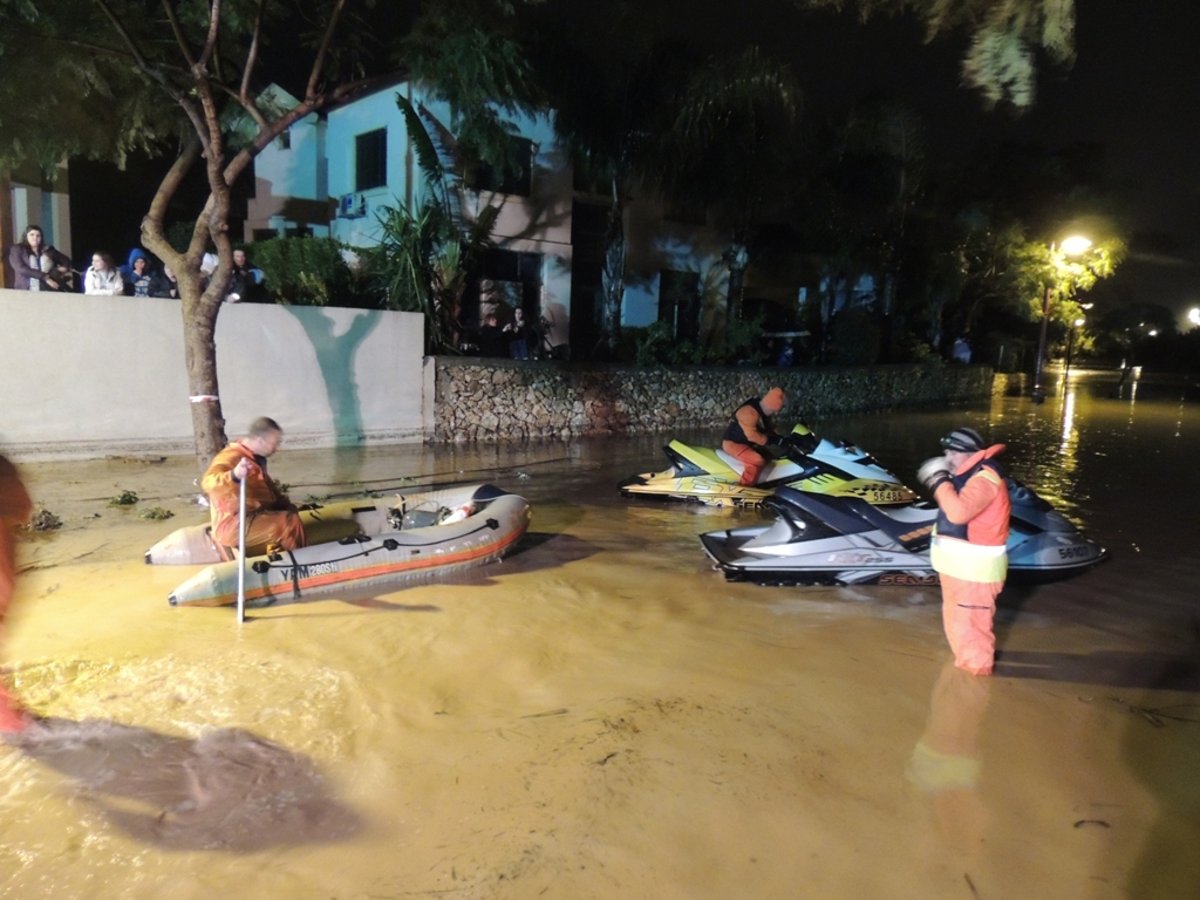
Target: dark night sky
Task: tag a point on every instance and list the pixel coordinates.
(1134, 89)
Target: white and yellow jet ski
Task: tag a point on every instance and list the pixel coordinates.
(805, 463)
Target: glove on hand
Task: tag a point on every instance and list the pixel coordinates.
(774, 440)
(933, 472)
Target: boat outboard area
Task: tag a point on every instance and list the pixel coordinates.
(380, 545)
(804, 462)
(839, 540)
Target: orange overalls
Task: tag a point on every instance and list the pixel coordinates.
(742, 440)
(968, 553)
(15, 509)
(270, 517)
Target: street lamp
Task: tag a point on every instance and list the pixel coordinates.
(1078, 323)
(1071, 246)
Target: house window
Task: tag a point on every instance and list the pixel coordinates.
(370, 160)
(515, 176)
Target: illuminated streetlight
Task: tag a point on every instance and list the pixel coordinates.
(1194, 315)
(1071, 246)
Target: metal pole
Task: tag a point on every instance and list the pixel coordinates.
(1067, 367)
(1039, 393)
(241, 588)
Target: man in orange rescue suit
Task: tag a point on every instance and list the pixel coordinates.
(968, 550)
(750, 431)
(271, 519)
(15, 509)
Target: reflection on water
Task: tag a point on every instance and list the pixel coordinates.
(532, 729)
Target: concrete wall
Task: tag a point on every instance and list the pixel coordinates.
(499, 400)
(86, 376)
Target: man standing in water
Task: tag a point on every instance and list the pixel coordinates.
(968, 550)
(271, 519)
(751, 430)
(15, 509)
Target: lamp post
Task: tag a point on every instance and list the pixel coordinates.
(1071, 246)
(1078, 323)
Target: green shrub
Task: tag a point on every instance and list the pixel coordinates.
(303, 270)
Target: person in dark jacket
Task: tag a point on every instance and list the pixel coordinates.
(37, 266)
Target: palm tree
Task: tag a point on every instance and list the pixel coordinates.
(731, 145)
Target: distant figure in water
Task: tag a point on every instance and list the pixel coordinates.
(15, 509)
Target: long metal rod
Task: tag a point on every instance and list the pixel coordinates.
(241, 589)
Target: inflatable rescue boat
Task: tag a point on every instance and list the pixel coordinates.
(390, 543)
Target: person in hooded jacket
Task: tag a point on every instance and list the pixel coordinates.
(968, 550)
(137, 274)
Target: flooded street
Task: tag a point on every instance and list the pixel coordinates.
(603, 715)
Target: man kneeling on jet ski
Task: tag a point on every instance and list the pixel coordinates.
(751, 432)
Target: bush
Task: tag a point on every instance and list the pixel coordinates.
(854, 338)
(304, 270)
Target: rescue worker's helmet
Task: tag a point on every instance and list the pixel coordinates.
(965, 440)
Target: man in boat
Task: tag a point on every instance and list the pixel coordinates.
(271, 519)
(968, 550)
(751, 431)
(15, 509)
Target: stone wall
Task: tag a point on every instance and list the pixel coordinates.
(492, 400)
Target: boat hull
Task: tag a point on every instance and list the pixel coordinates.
(369, 564)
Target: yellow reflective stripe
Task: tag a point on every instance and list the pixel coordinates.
(971, 562)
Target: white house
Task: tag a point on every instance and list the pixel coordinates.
(332, 174)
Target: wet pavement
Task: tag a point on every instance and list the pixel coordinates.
(602, 714)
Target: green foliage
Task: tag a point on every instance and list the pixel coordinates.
(854, 338)
(744, 342)
(156, 513)
(125, 498)
(306, 270)
(1004, 37)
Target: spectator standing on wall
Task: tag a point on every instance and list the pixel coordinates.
(136, 274)
(163, 283)
(37, 266)
(102, 277)
(491, 337)
(245, 281)
(519, 334)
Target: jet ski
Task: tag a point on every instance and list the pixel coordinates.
(845, 540)
(805, 463)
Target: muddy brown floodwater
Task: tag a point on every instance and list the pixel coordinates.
(602, 715)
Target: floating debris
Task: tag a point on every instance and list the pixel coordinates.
(156, 512)
(44, 520)
(125, 498)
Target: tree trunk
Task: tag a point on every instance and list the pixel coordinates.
(200, 355)
(737, 258)
(612, 277)
(7, 238)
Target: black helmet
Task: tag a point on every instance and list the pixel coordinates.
(965, 440)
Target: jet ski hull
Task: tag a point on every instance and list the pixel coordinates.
(827, 541)
(703, 475)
